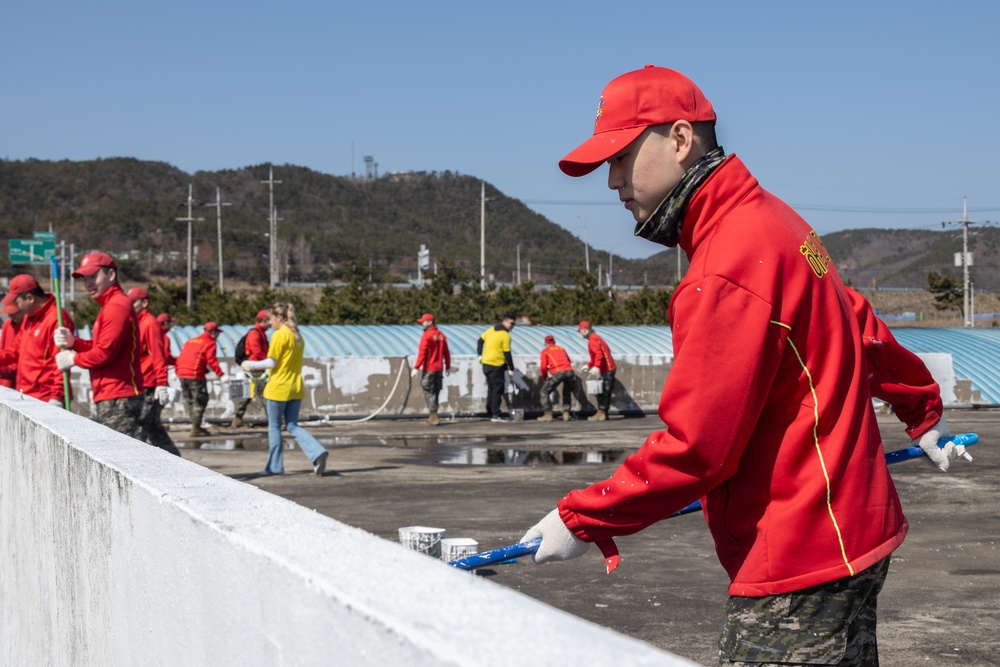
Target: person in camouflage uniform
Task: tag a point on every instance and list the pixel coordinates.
(767, 409)
(113, 353)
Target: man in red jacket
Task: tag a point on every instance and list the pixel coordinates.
(256, 350)
(166, 324)
(768, 404)
(112, 354)
(556, 370)
(197, 355)
(8, 341)
(433, 360)
(601, 365)
(154, 375)
(37, 375)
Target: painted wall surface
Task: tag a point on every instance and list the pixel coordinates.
(355, 387)
(116, 553)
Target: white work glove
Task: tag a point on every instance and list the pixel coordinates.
(557, 542)
(162, 395)
(584, 368)
(64, 360)
(224, 378)
(56, 402)
(939, 456)
(594, 371)
(63, 337)
(479, 358)
(415, 372)
(449, 371)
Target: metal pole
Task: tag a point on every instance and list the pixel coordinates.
(965, 260)
(482, 238)
(72, 280)
(273, 228)
(518, 263)
(218, 213)
(190, 245)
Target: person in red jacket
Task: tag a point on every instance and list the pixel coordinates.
(112, 354)
(37, 375)
(166, 324)
(768, 404)
(600, 365)
(556, 370)
(433, 361)
(197, 355)
(154, 375)
(256, 350)
(8, 342)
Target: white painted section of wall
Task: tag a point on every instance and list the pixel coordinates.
(942, 368)
(113, 552)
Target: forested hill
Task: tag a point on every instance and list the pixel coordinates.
(329, 224)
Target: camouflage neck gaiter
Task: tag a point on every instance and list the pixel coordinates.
(664, 226)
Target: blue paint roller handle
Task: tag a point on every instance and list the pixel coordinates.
(531, 546)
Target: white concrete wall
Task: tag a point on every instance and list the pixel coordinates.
(115, 553)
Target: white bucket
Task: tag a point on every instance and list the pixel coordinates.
(239, 388)
(423, 539)
(454, 548)
(594, 387)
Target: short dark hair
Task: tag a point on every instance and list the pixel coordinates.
(35, 291)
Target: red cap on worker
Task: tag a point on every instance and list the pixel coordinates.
(583, 325)
(426, 317)
(631, 103)
(137, 293)
(263, 315)
(19, 284)
(211, 326)
(93, 262)
(550, 340)
(164, 317)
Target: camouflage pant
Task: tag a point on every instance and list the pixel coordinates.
(256, 393)
(829, 624)
(195, 394)
(120, 414)
(151, 428)
(607, 386)
(568, 381)
(430, 382)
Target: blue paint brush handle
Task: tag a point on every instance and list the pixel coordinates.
(530, 547)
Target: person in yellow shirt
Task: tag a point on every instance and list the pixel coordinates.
(493, 349)
(284, 391)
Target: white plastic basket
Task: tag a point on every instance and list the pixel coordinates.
(423, 539)
(239, 388)
(594, 387)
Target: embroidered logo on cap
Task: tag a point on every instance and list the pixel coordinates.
(600, 109)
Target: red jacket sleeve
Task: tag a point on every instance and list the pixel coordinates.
(212, 361)
(421, 361)
(896, 375)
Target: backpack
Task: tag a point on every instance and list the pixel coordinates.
(240, 353)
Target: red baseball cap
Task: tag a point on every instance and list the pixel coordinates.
(550, 339)
(19, 284)
(212, 326)
(263, 315)
(137, 293)
(631, 103)
(426, 317)
(93, 262)
(583, 325)
(164, 317)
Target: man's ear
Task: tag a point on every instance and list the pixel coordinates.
(682, 135)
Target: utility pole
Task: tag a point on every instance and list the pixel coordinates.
(218, 214)
(277, 262)
(966, 259)
(518, 263)
(586, 244)
(482, 238)
(273, 229)
(189, 219)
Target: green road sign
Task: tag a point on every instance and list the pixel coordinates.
(31, 251)
(44, 236)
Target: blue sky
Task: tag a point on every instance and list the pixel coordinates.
(857, 114)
